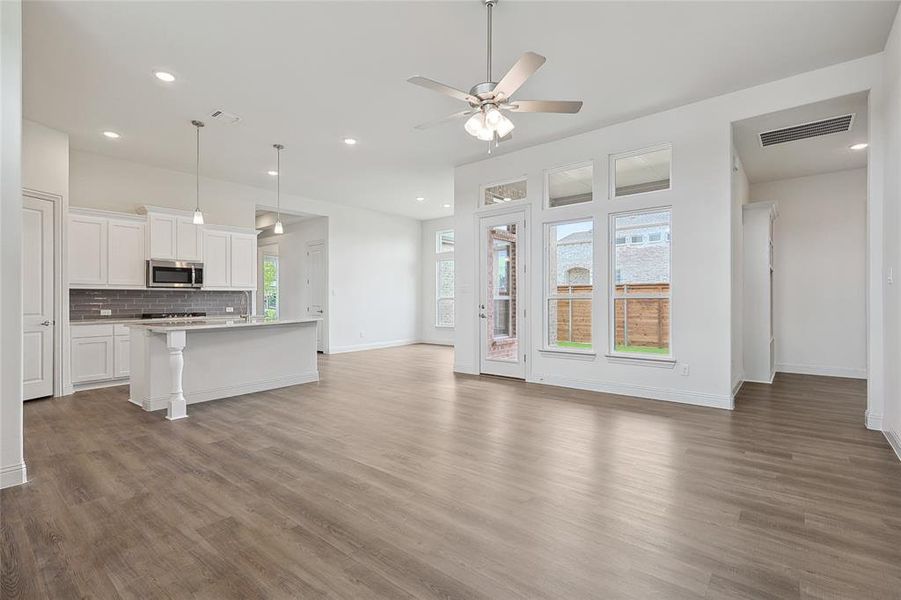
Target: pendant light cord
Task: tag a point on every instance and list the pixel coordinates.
(278, 181)
(197, 125)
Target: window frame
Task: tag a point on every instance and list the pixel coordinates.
(446, 256)
(668, 359)
(569, 167)
(438, 249)
(274, 258)
(489, 208)
(611, 167)
(546, 296)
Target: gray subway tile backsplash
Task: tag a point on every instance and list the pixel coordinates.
(130, 304)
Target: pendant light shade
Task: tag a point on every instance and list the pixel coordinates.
(198, 215)
(279, 228)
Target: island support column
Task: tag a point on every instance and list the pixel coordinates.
(178, 408)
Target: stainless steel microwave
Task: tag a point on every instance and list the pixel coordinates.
(174, 274)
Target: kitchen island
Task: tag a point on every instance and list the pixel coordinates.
(177, 363)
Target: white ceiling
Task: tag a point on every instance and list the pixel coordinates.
(309, 74)
(822, 154)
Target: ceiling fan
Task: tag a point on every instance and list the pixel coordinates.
(488, 100)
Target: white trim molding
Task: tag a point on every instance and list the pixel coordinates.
(706, 399)
(736, 387)
(372, 346)
(873, 421)
(13, 475)
(823, 370)
(894, 440)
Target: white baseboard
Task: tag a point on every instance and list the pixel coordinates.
(13, 475)
(436, 342)
(723, 401)
(96, 385)
(873, 421)
(894, 440)
(371, 346)
(824, 370)
(161, 402)
(736, 387)
(466, 369)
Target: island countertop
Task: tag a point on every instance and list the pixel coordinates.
(168, 326)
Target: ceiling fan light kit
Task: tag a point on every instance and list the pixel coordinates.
(488, 99)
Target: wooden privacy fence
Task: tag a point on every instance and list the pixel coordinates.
(640, 320)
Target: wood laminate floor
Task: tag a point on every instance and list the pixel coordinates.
(393, 478)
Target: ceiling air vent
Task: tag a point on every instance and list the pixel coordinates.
(225, 117)
(807, 130)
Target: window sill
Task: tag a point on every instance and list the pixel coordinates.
(444, 326)
(625, 359)
(563, 353)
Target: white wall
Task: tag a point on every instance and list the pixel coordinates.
(430, 333)
(12, 459)
(740, 196)
(819, 287)
(892, 230)
(702, 241)
(373, 257)
(292, 262)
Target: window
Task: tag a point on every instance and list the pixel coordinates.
(444, 241)
(620, 240)
(641, 171)
(503, 193)
(641, 292)
(444, 278)
(655, 237)
(270, 286)
(444, 313)
(636, 239)
(569, 287)
(569, 186)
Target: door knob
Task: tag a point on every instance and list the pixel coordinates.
(47, 323)
(483, 316)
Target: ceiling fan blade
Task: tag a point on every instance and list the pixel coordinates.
(527, 64)
(545, 106)
(443, 89)
(456, 115)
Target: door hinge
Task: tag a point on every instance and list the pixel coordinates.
(525, 358)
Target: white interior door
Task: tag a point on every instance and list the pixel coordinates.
(502, 306)
(37, 297)
(316, 288)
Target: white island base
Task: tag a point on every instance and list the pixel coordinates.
(176, 364)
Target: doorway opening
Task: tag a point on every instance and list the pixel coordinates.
(800, 261)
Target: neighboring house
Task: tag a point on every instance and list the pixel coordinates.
(642, 256)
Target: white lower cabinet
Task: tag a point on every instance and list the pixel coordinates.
(100, 353)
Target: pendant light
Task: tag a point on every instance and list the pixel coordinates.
(198, 216)
(279, 228)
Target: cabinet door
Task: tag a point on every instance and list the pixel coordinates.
(87, 251)
(162, 236)
(126, 253)
(92, 359)
(122, 356)
(188, 240)
(243, 261)
(217, 258)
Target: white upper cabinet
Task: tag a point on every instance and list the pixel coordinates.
(126, 253)
(87, 250)
(162, 236)
(173, 236)
(217, 259)
(244, 260)
(188, 239)
(229, 259)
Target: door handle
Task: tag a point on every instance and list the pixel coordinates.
(483, 316)
(47, 323)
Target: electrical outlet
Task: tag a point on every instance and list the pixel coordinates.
(229, 309)
(105, 312)
(683, 370)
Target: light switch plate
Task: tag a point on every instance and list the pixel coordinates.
(105, 312)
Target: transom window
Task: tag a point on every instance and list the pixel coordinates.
(641, 171)
(504, 193)
(572, 185)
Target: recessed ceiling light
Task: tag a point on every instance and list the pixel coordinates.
(164, 76)
(446, 205)
(350, 141)
(860, 146)
(419, 198)
(273, 173)
(111, 134)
